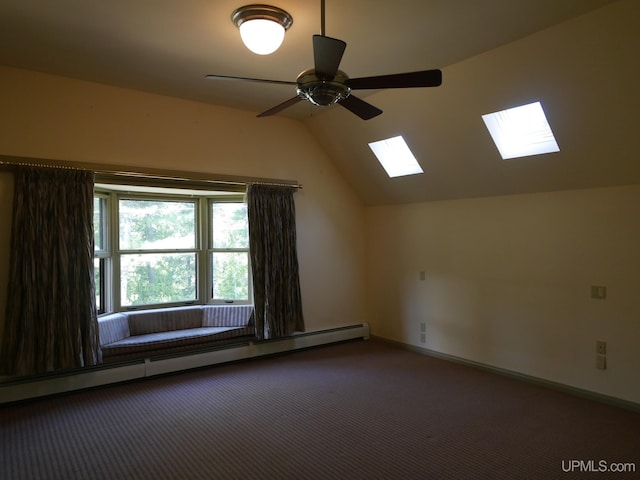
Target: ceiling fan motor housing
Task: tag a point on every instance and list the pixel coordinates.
(323, 91)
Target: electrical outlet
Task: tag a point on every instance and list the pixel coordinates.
(423, 327)
(598, 292)
(601, 347)
(423, 338)
(601, 362)
(422, 276)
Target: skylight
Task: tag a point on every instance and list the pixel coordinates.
(395, 157)
(521, 131)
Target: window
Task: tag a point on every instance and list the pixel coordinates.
(229, 252)
(161, 247)
(521, 131)
(157, 251)
(396, 157)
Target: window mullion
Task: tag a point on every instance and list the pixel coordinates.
(204, 274)
(114, 245)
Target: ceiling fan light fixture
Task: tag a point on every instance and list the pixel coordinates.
(324, 84)
(262, 27)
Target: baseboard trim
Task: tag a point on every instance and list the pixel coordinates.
(12, 391)
(578, 392)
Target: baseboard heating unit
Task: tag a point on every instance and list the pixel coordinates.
(40, 386)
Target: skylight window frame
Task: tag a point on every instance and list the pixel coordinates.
(396, 157)
(521, 131)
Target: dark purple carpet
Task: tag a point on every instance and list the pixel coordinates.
(358, 410)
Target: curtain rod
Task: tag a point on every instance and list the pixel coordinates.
(146, 173)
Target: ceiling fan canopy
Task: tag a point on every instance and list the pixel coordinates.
(325, 84)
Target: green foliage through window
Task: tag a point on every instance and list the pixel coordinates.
(151, 224)
(151, 278)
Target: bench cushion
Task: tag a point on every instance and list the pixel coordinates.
(227, 315)
(164, 320)
(152, 342)
(113, 327)
(147, 333)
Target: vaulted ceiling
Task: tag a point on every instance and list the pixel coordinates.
(578, 57)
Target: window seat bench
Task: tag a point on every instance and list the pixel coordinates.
(147, 333)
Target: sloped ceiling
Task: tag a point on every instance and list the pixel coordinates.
(578, 57)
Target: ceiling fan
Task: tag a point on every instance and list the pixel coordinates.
(325, 84)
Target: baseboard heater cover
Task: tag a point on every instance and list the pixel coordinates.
(105, 375)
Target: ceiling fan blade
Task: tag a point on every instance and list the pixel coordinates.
(425, 78)
(279, 108)
(262, 80)
(327, 53)
(361, 108)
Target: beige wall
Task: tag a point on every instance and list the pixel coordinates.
(507, 282)
(58, 118)
(507, 279)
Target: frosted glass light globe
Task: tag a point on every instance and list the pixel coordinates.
(262, 36)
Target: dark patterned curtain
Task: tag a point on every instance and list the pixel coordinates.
(50, 320)
(274, 260)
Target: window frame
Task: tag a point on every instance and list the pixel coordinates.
(111, 256)
(120, 252)
(211, 250)
(102, 255)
